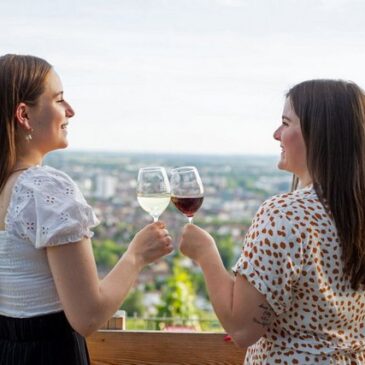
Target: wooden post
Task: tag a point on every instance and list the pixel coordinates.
(117, 322)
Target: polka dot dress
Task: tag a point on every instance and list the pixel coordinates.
(292, 255)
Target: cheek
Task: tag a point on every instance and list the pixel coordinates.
(287, 140)
(298, 141)
(44, 118)
(295, 144)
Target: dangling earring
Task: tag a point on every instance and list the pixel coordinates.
(28, 137)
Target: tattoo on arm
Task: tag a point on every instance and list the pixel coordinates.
(266, 317)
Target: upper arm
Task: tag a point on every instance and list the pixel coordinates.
(267, 272)
(251, 311)
(75, 275)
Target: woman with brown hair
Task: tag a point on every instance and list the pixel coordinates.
(298, 294)
(50, 294)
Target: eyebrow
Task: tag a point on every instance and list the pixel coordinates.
(59, 94)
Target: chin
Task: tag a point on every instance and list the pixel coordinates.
(61, 146)
(64, 143)
(281, 165)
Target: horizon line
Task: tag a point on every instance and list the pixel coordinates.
(173, 153)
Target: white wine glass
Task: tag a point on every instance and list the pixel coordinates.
(153, 190)
(187, 191)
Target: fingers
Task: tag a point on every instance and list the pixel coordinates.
(159, 224)
(167, 240)
(164, 237)
(161, 233)
(169, 247)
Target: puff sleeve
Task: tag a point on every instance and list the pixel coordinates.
(271, 258)
(48, 208)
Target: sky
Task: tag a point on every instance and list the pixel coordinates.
(185, 76)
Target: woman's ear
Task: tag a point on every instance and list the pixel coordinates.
(21, 114)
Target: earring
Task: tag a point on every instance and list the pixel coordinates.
(28, 137)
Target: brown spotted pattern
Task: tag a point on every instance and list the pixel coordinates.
(292, 255)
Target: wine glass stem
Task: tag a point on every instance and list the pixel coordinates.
(190, 220)
(155, 219)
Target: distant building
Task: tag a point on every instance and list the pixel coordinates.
(85, 186)
(105, 186)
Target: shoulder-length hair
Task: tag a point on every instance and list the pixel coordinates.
(21, 80)
(332, 118)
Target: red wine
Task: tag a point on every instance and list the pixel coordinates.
(187, 205)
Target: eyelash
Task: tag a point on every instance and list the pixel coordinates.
(60, 101)
(285, 123)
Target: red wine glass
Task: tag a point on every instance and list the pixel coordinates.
(186, 190)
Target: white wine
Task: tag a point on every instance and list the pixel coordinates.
(154, 204)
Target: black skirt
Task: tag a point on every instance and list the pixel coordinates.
(42, 340)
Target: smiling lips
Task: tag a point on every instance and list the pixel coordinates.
(64, 125)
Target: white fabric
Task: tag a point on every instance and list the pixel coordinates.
(46, 209)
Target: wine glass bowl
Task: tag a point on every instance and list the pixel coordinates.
(153, 190)
(187, 191)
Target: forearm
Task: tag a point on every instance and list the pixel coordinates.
(241, 309)
(115, 286)
(239, 306)
(113, 289)
(220, 285)
(88, 301)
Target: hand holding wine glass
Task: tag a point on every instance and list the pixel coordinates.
(186, 190)
(198, 244)
(150, 244)
(153, 190)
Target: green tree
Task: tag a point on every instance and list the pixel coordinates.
(178, 299)
(226, 247)
(107, 253)
(134, 303)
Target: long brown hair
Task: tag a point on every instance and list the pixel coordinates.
(332, 118)
(21, 80)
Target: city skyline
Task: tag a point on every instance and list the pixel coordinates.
(189, 76)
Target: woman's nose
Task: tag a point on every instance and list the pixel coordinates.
(277, 134)
(69, 111)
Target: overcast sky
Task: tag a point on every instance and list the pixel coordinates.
(190, 76)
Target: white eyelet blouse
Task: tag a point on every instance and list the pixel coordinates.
(46, 209)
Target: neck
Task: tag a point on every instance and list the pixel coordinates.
(27, 152)
(304, 181)
(27, 156)
(27, 161)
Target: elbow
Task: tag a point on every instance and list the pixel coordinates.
(244, 339)
(85, 331)
(84, 326)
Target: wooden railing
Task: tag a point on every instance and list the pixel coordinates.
(116, 347)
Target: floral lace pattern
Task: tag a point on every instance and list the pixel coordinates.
(47, 208)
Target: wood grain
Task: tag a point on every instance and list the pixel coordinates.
(162, 348)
